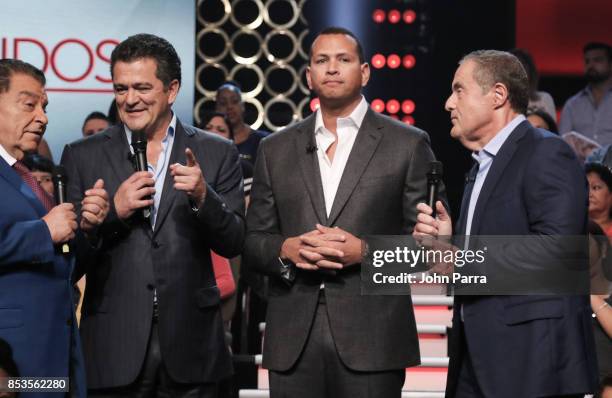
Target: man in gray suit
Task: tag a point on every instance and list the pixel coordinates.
(151, 323)
(320, 185)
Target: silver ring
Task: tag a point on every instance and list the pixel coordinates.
(294, 79)
(301, 8)
(260, 112)
(305, 101)
(292, 21)
(302, 74)
(212, 24)
(271, 57)
(198, 105)
(200, 70)
(280, 99)
(253, 24)
(206, 58)
(260, 77)
(246, 60)
(300, 46)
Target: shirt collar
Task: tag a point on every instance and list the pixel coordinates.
(170, 131)
(356, 117)
(7, 157)
(498, 140)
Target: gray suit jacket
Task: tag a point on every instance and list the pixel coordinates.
(132, 260)
(384, 179)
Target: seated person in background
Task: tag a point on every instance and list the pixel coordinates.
(605, 390)
(600, 195)
(94, 123)
(542, 120)
(589, 112)
(538, 100)
(42, 169)
(217, 122)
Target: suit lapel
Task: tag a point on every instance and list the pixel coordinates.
(15, 180)
(177, 155)
(118, 153)
(500, 162)
(368, 138)
(309, 165)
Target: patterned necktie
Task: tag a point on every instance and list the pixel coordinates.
(47, 200)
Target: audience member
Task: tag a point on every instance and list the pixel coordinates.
(42, 169)
(538, 100)
(589, 112)
(217, 122)
(229, 101)
(542, 120)
(94, 123)
(600, 195)
(113, 115)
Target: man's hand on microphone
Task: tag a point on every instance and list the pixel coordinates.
(427, 225)
(94, 207)
(189, 178)
(134, 193)
(332, 248)
(61, 221)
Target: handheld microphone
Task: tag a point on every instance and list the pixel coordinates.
(60, 180)
(434, 177)
(139, 144)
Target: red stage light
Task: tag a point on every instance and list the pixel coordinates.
(393, 61)
(409, 16)
(378, 105)
(393, 106)
(394, 117)
(408, 106)
(378, 16)
(394, 16)
(314, 104)
(378, 61)
(408, 61)
(408, 119)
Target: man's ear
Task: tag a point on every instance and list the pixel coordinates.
(500, 95)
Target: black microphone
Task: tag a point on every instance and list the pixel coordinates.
(434, 177)
(311, 148)
(139, 144)
(60, 181)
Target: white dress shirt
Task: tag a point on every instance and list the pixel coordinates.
(346, 131)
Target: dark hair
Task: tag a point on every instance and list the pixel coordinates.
(36, 162)
(602, 171)
(532, 72)
(95, 115)
(337, 30)
(145, 45)
(595, 45)
(552, 125)
(208, 116)
(9, 67)
(605, 383)
(7, 363)
(495, 66)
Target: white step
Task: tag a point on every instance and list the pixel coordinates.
(405, 394)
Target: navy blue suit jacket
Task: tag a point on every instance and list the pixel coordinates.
(527, 346)
(36, 305)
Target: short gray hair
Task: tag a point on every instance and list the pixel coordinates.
(493, 66)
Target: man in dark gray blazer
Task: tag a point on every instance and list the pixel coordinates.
(320, 185)
(151, 321)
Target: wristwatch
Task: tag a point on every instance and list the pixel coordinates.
(287, 271)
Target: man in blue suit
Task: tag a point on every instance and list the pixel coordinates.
(36, 307)
(525, 181)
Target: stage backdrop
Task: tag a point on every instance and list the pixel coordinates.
(71, 40)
